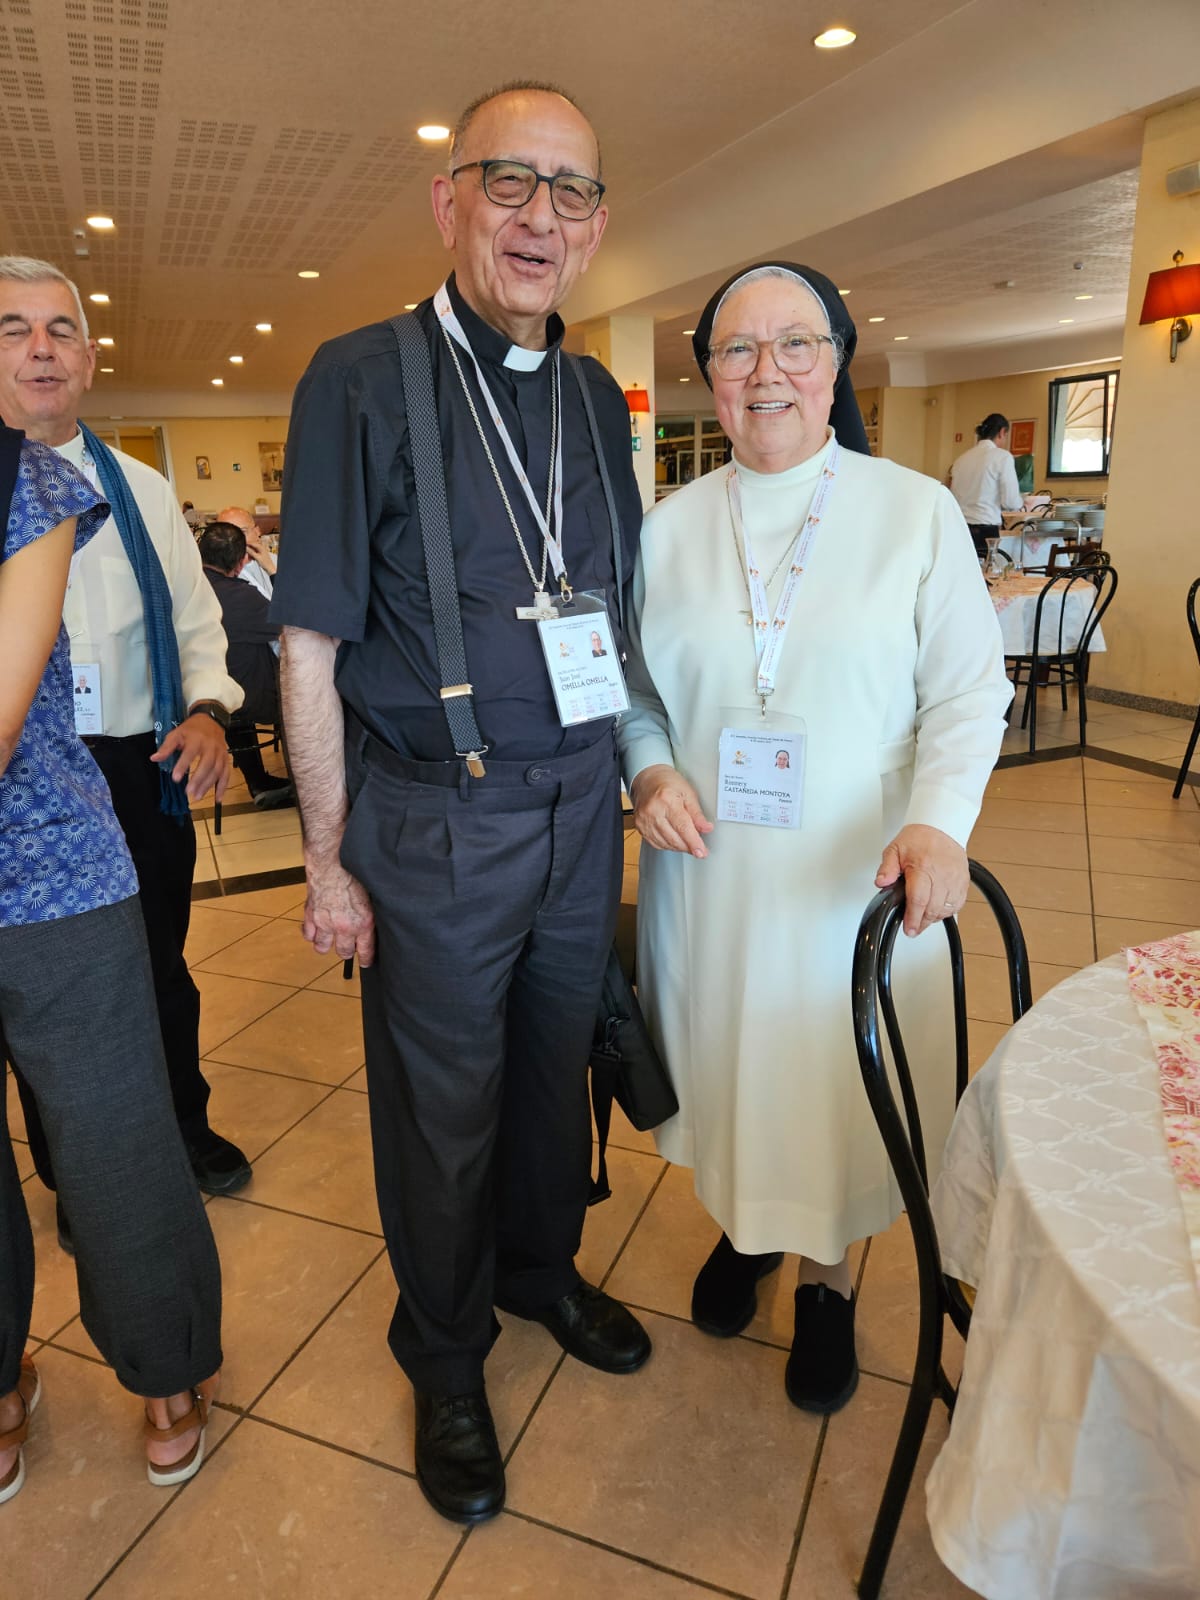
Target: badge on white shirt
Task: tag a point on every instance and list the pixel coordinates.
(760, 777)
(89, 706)
(585, 669)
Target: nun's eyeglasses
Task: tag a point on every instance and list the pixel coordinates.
(791, 352)
(512, 183)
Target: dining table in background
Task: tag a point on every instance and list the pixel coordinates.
(1072, 1467)
(1015, 601)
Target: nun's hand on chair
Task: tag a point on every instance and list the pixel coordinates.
(667, 811)
(936, 875)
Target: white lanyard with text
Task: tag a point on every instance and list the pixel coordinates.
(770, 632)
(449, 320)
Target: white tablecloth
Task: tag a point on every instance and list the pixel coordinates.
(1031, 550)
(1016, 600)
(1072, 1469)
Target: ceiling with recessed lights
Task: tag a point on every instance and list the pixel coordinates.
(237, 147)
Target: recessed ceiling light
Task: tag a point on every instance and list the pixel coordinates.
(900, 337)
(108, 369)
(262, 327)
(308, 273)
(434, 132)
(845, 291)
(835, 38)
(237, 360)
(685, 380)
(99, 299)
(101, 224)
(1084, 297)
(688, 332)
(876, 319)
(107, 343)
(218, 383)
(1061, 320)
(412, 305)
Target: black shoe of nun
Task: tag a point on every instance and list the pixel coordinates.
(822, 1370)
(724, 1296)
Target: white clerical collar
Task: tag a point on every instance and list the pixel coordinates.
(522, 360)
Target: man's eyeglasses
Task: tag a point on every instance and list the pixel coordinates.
(512, 183)
(792, 352)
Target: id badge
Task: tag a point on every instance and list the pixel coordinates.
(760, 775)
(89, 706)
(585, 669)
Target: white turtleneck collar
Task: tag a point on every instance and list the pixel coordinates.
(791, 478)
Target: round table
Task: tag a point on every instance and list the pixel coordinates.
(1015, 601)
(1072, 1469)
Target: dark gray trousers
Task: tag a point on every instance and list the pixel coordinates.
(77, 1004)
(495, 903)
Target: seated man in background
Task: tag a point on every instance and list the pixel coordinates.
(260, 564)
(253, 647)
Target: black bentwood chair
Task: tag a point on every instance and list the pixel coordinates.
(1191, 744)
(1097, 581)
(940, 1297)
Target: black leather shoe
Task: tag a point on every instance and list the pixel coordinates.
(65, 1242)
(724, 1297)
(594, 1328)
(459, 1466)
(219, 1167)
(822, 1370)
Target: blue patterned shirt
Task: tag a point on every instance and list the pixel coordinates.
(62, 850)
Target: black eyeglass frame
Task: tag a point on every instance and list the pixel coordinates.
(549, 179)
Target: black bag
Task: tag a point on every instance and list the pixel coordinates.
(625, 1067)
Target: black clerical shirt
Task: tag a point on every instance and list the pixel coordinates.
(351, 562)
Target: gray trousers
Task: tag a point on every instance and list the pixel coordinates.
(77, 1005)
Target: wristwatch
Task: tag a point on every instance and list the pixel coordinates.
(213, 709)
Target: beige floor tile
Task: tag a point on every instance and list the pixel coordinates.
(16, 1117)
(1098, 771)
(287, 901)
(1140, 791)
(999, 847)
(982, 1039)
(987, 985)
(248, 826)
(1136, 822)
(1061, 937)
(55, 1291)
(1059, 781)
(697, 1462)
(345, 1386)
(227, 1005)
(1117, 933)
(850, 1477)
(1150, 899)
(1166, 748)
(1045, 888)
(206, 867)
(86, 1498)
(334, 981)
(322, 1168)
(1147, 858)
(311, 1035)
(272, 1515)
(886, 1320)
(1042, 816)
(254, 1108)
(522, 1561)
(212, 927)
(276, 953)
(358, 1081)
(632, 1176)
(629, 886)
(23, 1159)
(672, 1242)
(623, 1134)
(258, 855)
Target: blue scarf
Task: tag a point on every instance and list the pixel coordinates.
(166, 679)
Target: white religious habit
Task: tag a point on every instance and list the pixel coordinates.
(892, 671)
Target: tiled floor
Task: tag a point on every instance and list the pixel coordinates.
(694, 1477)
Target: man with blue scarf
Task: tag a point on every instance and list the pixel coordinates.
(146, 636)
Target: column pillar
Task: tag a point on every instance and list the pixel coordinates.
(625, 345)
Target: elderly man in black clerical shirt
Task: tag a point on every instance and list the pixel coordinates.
(478, 882)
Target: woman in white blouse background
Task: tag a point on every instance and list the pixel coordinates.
(984, 481)
(886, 691)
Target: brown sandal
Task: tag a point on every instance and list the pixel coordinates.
(189, 1465)
(29, 1387)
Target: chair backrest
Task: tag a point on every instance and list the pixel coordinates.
(872, 997)
(1100, 577)
(1191, 616)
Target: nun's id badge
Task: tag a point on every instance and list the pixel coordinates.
(585, 669)
(760, 776)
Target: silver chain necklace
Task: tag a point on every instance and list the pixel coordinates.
(538, 580)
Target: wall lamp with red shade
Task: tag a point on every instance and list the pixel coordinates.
(1173, 295)
(638, 401)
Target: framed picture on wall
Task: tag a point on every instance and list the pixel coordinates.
(1021, 442)
(203, 467)
(270, 459)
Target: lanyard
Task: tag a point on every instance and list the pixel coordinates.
(450, 323)
(770, 632)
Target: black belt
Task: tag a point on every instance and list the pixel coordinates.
(100, 741)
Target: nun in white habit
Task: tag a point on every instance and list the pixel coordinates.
(818, 697)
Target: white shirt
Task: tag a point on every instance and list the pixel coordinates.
(258, 578)
(103, 608)
(984, 482)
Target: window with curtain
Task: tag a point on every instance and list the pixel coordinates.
(1082, 413)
